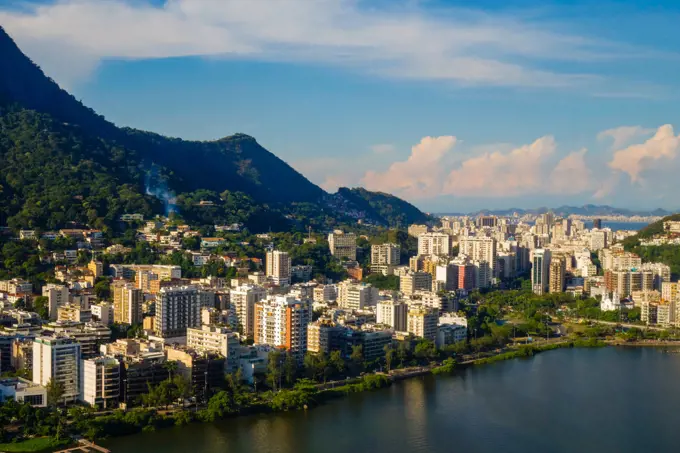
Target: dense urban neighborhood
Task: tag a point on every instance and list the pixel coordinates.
(164, 323)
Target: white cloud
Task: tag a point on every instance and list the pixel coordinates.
(440, 167)
(623, 135)
(571, 175)
(498, 174)
(417, 177)
(636, 159)
(399, 40)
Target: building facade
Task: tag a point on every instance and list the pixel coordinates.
(58, 360)
(177, 308)
(278, 267)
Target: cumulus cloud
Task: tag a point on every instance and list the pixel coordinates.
(636, 159)
(499, 174)
(623, 135)
(420, 175)
(398, 39)
(571, 175)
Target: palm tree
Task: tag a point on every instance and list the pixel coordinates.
(171, 367)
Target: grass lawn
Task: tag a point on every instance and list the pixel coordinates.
(35, 444)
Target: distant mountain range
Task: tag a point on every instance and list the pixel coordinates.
(585, 210)
(63, 162)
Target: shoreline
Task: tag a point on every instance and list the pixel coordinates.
(379, 380)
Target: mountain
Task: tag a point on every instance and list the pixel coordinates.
(380, 205)
(585, 210)
(64, 162)
(236, 163)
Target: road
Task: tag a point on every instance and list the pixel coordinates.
(622, 324)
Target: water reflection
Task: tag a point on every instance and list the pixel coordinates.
(569, 400)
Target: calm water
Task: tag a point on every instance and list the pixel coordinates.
(615, 226)
(600, 400)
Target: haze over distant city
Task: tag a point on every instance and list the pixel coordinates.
(451, 108)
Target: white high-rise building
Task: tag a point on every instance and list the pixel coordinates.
(282, 321)
(598, 240)
(384, 258)
(356, 296)
(177, 308)
(101, 381)
(343, 245)
(434, 244)
(392, 313)
(481, 249)
(447, 276)
(58, 360)
(243, 300)
(540, 271)
(57, 295)
(216, 339)
(278, 267)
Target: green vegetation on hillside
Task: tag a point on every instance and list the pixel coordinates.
(667, 254)
(62, 162)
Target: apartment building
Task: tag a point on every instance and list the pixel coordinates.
(343, 245)
(324, 336)
(415, 281)
(422, 322)
(434, 244)
(282, 321)
(216, 339)
(58, 360)
(74, 313)
(243, 300)
(177, 308)
(384, 258)
(481, 249)
(102, 312)
(540, 271)
(278, 267)
(204, 370)
(416, 230)
(57, 296)
(392, 313)
(101, 382)
(127, 302)
(557, 269)
(22, 354)
(356, 296)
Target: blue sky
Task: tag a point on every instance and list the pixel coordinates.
(454, 106)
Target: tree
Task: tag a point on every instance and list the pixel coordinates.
(182, 387)
(171, 367)
(425, 350)
(336, 363)
(102, 289)
(41, 306)
(389, 357)
(55, 392)
(315, 365)
(357, 358)
(290, 369)
(274, 372)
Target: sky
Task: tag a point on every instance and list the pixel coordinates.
(454, 106)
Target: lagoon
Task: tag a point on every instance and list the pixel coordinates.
(605, 399)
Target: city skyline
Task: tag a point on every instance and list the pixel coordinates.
(522, 106)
